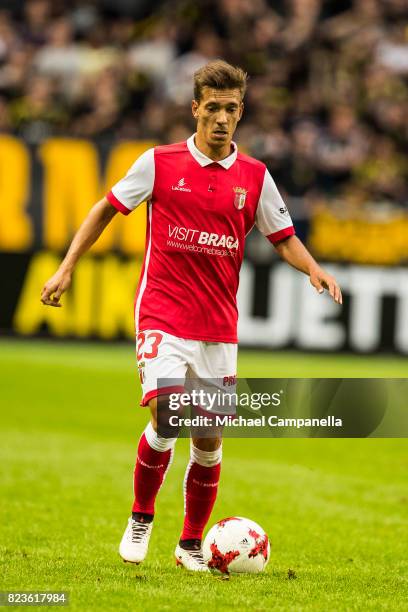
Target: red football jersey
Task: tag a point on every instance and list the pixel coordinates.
(199, 213)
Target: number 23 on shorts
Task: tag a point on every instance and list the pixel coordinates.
(148, 344)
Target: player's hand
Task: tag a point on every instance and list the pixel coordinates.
(321, 281)
(55, 287)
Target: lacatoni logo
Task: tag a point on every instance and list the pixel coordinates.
(211, 239)
(181, 186)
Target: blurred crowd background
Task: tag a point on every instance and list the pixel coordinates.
(327, 102)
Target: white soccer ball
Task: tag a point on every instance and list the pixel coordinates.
(236, 545)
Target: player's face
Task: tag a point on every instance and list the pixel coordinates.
(217, 114)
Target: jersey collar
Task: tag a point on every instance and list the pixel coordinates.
(203, 160)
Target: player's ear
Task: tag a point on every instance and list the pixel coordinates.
(241, 110)
(194, 109)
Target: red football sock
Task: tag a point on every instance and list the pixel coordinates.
(200, 492)
(150, 470)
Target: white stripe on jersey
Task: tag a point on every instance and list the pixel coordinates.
(146, 265)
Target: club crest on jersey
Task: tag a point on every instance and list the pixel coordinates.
(240, 197)
(141, 369)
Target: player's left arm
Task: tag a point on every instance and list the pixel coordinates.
(293, 251)
(274, 221)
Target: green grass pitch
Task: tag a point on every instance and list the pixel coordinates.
(335, 510)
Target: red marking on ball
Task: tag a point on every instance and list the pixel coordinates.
(221, 561)
(261, 545)
(226, 520)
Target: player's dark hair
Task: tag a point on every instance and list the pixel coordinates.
(219, 75)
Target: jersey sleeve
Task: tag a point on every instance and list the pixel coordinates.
(136, 186)
(272, 217)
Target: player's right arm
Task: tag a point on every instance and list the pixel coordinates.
(92, 227)
(125, 196)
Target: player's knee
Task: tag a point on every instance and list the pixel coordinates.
(153, 412)
(207, 443)
(160, 414)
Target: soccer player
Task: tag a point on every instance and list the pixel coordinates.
(203, 197)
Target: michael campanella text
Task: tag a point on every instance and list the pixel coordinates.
(239, 421)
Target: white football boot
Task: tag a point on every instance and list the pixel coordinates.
(192, 560)
(135, 541)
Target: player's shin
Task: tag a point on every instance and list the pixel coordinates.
(200, 492)
(154, 456)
